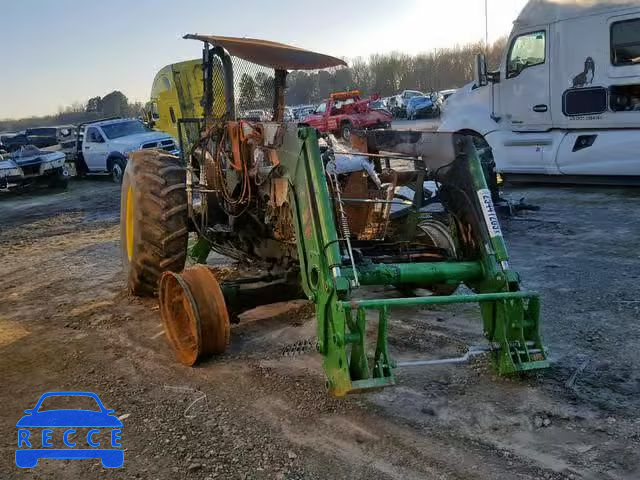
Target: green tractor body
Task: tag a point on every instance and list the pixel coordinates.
(319, 220)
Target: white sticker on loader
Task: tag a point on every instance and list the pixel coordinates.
(489, 211)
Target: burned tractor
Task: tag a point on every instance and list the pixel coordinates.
(315, 219)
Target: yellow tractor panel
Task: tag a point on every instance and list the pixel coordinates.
(177, 93)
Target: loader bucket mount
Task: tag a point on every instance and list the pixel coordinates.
(510, 316)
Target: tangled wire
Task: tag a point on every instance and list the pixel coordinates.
(215, 165)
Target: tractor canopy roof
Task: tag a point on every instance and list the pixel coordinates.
(271, 54)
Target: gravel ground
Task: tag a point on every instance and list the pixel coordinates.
(66, 322)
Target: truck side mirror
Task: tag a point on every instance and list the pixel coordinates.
(480, 71)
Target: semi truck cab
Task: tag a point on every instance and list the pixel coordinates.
(566, 99)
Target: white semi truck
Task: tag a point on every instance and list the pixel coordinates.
(565, 104)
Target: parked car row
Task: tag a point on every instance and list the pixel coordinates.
(410, 104)
(255, 115)
(38, 155)
(291, 114)
(338, 114)
(413, 104)
(40, 137)
(302, 111)
(100, 146)
(260, 115)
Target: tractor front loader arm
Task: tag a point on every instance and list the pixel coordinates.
(510, 316)
(318, 250)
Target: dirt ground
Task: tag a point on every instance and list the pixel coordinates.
(67, 323)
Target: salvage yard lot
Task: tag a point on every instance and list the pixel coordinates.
(67, 323)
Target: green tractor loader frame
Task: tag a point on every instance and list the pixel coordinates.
(324, 260)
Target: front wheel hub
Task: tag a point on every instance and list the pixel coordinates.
(194, 314)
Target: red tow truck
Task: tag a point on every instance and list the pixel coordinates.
(344, 111)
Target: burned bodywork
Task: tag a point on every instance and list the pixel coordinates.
(308, 216)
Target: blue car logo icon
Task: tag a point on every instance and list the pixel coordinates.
(102, 437)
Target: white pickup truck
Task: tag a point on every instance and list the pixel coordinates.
(103, 146)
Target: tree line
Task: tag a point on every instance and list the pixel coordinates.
(389, 73)
(114, 104)
(385, 74)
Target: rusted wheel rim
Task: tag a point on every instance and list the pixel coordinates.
(194, 314)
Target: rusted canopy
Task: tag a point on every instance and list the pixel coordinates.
(271, 54)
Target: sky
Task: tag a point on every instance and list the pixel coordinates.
(56, 52)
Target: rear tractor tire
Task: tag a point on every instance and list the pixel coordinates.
(153, 219)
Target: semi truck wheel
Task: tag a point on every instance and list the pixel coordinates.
(153, 219)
